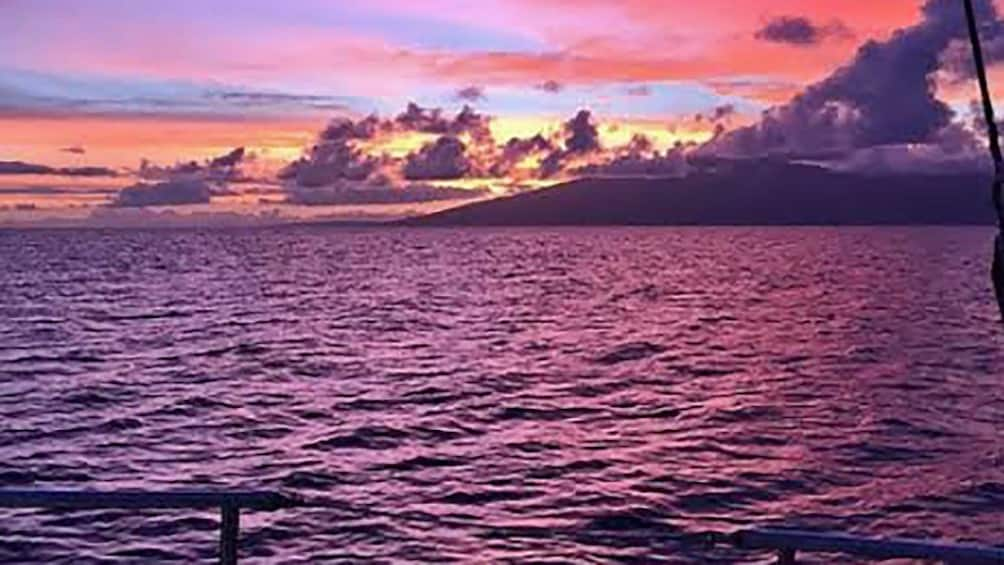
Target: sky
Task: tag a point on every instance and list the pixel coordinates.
(117, 111)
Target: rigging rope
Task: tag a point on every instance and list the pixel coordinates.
(997, 270)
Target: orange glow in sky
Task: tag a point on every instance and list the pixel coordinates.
(172, 83)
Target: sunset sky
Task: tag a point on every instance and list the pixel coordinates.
(117, 107)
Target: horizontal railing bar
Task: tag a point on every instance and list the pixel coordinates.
(86, 500)
(866, 547)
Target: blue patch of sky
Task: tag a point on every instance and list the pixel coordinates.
(427, 32)
(248, 18)
(680, 98)
(37, 91)
(28, 90)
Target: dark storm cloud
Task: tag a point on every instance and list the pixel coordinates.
(717, 114)
(426, 120)
(582, 134)
(344, 129)
(884, 96)
(516, 150)
(53, 190)
(550, 86)
(346, 165)
(345, 154)
(167, 193)
(85, 172)
(473, 123)
(957, 60)
(229, 160)
(954, 149)
(443, 159)
(329, 163)
(551, 165)
(640, 144)
(336, 156)
(640, 90)
(471, 93)
(722, 112)
(520, 147)
(22, 168)
(191, 182)
(800, 31)
(223, 169)
(431, 120)
(338, 170)
(581, 137)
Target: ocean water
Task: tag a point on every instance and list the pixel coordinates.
(520, 395)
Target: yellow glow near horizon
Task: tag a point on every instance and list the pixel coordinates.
(505, 128)
(396, 144)
(614, 132)
(122, 142)
(662, 134)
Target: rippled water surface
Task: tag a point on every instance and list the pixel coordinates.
(565, 395)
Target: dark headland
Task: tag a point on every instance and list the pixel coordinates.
(741, 193)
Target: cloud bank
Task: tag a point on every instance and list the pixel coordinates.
(884, 97)
(184, 183)
(22, 168)
(799, 31)
(167, 193)
(343, 167)
(217, 170)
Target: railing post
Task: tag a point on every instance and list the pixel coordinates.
(229, 528)
(786, 557)
(229, 503)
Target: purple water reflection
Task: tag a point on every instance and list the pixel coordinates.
(518, 394)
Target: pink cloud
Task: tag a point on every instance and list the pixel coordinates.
(583, 42)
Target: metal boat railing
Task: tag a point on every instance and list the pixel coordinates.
(787, 543)
(229, 503)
